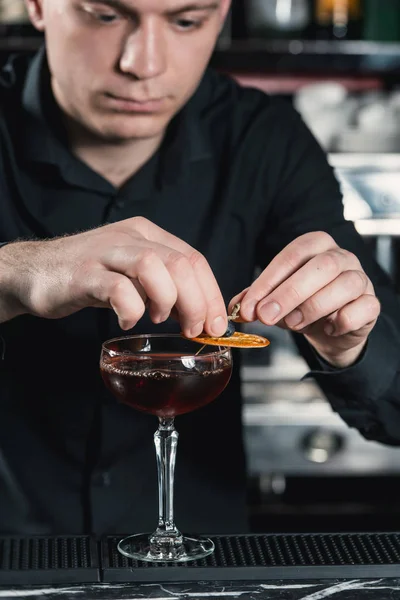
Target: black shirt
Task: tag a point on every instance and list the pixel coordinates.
(238, 177)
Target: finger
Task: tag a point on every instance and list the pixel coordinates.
(215, 316)
(190, 302)
(357, 317)
(117, 291)
(286, 263)
(348, 286)
(215, 322)
(154, 312)
(156, 281)
(235, 300)
(152, 276)
(168, 279)
(302, 285)
(140, 290)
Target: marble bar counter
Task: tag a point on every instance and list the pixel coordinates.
(309, 566)
(337, 589)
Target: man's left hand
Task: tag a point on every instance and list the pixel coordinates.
(315, 288)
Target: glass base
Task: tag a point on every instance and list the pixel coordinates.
(138, 547)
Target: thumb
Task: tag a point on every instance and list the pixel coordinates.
(235, 300)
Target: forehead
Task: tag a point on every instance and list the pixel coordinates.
(159, 6)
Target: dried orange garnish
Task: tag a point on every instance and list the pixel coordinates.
(237, 340)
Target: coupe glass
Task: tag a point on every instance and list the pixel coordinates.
(164, 375)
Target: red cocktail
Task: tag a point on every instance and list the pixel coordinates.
(166, 392)
(166, 376)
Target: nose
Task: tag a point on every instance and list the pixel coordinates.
(144, 55)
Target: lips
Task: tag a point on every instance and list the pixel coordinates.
(136, 105)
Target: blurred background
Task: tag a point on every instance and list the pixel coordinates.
(338, 62)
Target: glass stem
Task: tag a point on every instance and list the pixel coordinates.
(165, 441)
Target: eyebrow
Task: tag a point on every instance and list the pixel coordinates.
(192, 7)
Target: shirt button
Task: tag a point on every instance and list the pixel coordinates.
(103, 479)
(120, 203)
(371, 429)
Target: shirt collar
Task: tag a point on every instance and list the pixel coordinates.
(186, 139)
(45, 141)
(31, 99)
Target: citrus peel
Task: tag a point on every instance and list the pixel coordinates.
(237, 340)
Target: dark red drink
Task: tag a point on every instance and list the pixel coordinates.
(166, 388)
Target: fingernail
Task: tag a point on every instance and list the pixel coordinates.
(196, 329)
(269, 312)
(295, 318)
(162, 318)
(218, 326)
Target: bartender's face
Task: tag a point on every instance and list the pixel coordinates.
(124, 68)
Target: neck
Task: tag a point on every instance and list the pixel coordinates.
(115, 161)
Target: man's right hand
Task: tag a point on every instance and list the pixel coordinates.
(126, 266)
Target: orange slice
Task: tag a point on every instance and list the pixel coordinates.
(237, 340)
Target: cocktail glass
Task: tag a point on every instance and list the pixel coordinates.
(166, 376)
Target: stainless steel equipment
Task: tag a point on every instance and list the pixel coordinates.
(371, 190)
(291, 430)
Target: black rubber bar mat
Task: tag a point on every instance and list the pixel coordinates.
(48, 560)
(81, 559)
(271, 556)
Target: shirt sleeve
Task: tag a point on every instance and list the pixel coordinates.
(306, 198)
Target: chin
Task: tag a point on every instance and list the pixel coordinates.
(129, 128)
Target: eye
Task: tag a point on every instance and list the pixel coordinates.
(187, 24)
(100, 13)
(107, 18)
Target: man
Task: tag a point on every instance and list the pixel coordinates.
(134, 179)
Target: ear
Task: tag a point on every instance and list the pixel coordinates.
(225, 6)
(35, 11)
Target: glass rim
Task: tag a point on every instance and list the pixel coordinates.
(221, 349)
